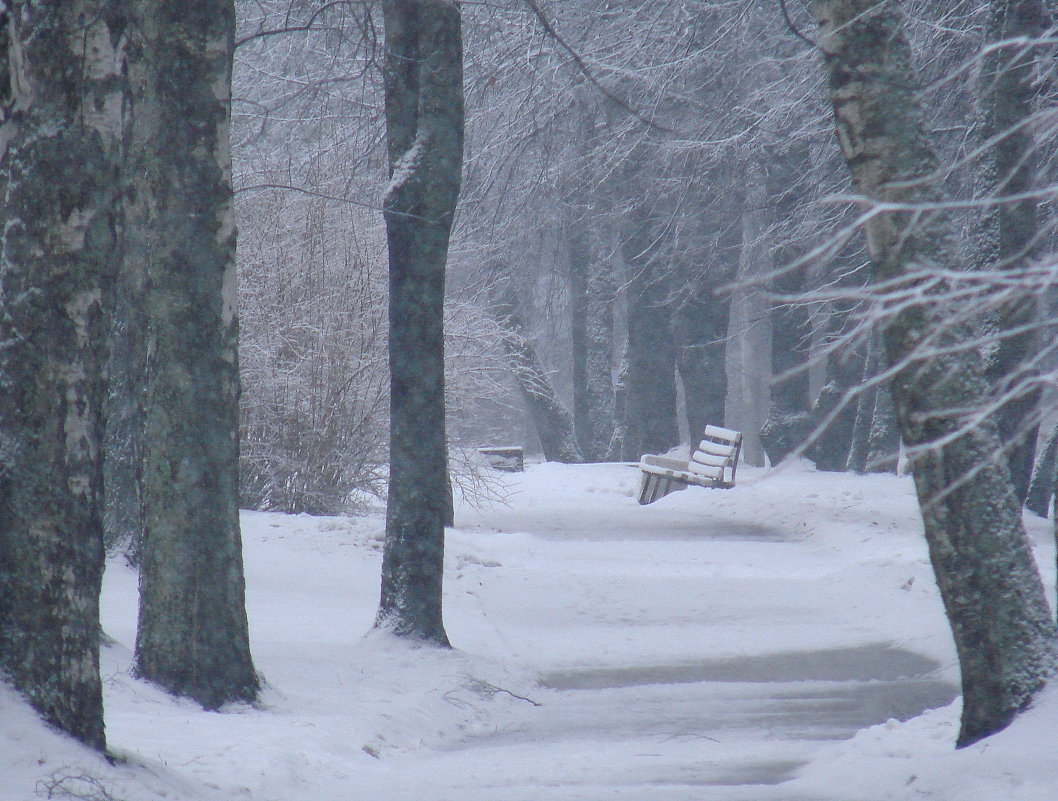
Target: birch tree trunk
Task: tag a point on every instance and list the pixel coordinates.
(192, 637)
(984, 566)
(424, 124)
(62, 95)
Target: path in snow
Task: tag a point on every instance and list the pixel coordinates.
(723, 729)
(734, 727)
(701, 648)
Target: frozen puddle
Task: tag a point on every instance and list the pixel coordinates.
(723, 724)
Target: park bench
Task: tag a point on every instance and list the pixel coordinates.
(712, 464)
(509, 458)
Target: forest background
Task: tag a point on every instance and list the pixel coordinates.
(656, 232)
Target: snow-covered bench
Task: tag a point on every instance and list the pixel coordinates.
(712, 464)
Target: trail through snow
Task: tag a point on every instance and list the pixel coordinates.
(757, 644)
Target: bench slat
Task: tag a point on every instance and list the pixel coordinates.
(716, 473)
(723, 433)
(727, 451)
(710, 459)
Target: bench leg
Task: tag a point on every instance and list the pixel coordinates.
(647, 487)
(653, 487)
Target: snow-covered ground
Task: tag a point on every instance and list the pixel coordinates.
(761, 643)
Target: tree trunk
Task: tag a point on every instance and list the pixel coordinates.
(599, 382)
(649, 421)
(1010, 232)
(550, 419)
(423, 76)
(791, 338)
(62, 134)
(192, 637)
(750, 331)
(591, 340)
(866, 402)
(579, 248)
(984, 566)
(1041, 488)
(831, 448)
(127, 364)
(883, 447)
(620, 402)
(700, 329)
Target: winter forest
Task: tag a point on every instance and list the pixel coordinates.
(277, 278)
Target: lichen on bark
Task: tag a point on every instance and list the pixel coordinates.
(62, 132)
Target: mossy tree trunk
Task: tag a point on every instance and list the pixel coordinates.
(62, 94)
(193, 636)
(985, 570)
(423, 76)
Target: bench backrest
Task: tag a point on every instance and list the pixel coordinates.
(716, 456)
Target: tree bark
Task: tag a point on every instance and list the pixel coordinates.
(423, 76)
(1010, 231)
(981, 556)
(192, 637)
(62, 92)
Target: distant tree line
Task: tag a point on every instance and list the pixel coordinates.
(649, 240)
